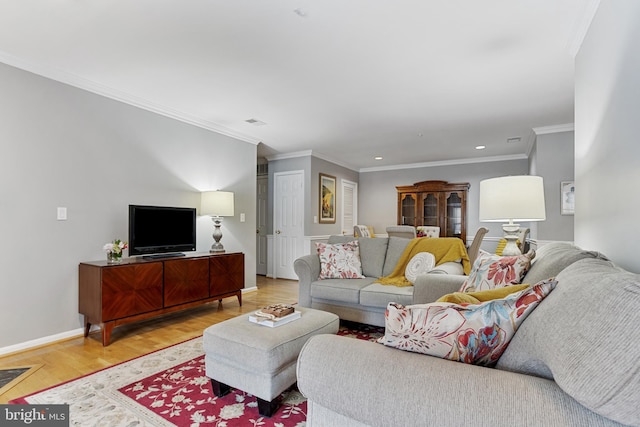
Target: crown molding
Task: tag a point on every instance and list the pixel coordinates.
(335, 161)
(567, 127)
(76, 81)
(446, 163)
(581, 26)
(310, 153)
(292, 155)
(530, 142)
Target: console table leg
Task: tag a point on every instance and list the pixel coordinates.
(239, 295)
(106, 333)
(87, 327)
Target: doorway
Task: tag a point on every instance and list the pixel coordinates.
(288, 222)
(262, 190)
(349, 206)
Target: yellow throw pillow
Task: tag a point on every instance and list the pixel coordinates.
(371, 233)
(481, 296)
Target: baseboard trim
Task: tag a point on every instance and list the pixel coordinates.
(39, 342)
(75, 333)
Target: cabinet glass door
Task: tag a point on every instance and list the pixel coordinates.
(408, 210)
(454, 215)
(430, 210)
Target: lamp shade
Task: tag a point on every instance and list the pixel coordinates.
(512, 198)
(216, 203)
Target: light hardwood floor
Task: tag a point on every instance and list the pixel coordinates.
(69, 359)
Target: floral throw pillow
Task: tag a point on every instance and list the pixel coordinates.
(340, 260)
(493, 271)
(469, 333)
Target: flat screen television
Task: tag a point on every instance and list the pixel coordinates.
(161, 230)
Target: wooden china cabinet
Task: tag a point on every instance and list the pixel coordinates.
(435, 203)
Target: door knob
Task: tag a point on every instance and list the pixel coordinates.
(278, 231)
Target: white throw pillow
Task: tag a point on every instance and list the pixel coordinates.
(421, 263)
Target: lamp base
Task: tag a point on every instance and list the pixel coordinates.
(217, 247)
(511, 236)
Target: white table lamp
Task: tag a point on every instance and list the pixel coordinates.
(217, 204)
(512, 198)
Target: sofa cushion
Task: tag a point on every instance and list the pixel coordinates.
(339, 260)
(554, 257)
(395, 249)
(585, 336)
(343, 290)
(378, 295)
(373, 251)
(470, 333)
(339, 238)
(493, 271)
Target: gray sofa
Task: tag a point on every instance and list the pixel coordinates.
(361, 300)
(573, 362)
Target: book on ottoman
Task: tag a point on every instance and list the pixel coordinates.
(275, 315)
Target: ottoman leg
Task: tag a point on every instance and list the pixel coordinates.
(267, 409)
(219, 389)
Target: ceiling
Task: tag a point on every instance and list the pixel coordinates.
(413, 81)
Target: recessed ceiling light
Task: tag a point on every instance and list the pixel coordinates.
(480, 147)
(377, 158)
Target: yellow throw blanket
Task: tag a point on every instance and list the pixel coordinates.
(444, 249)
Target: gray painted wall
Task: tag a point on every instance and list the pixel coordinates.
(312, 167)
(63, 146)
(607, 123)
(554, 161)
(341, 173)
(378, 196)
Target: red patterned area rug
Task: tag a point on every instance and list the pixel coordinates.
(169, 388)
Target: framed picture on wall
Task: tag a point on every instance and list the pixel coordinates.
(327, 199)
(567, 194)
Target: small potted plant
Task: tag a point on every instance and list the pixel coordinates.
(114, 251)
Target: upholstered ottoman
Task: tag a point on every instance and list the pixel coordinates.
(258, 359)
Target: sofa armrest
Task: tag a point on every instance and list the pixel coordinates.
(429, 287)
(307, 268)
(382, 386)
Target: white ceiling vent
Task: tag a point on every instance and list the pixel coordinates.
(255, 122)
(514, 140)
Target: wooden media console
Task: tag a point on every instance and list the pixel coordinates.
(135, 289)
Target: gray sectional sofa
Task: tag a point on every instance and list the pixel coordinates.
(361, 300)
(573, 362)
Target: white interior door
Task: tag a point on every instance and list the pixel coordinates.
(262, 190)
(349, 206)
(288, 224)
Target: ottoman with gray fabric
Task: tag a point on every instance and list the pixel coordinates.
(258, 359)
